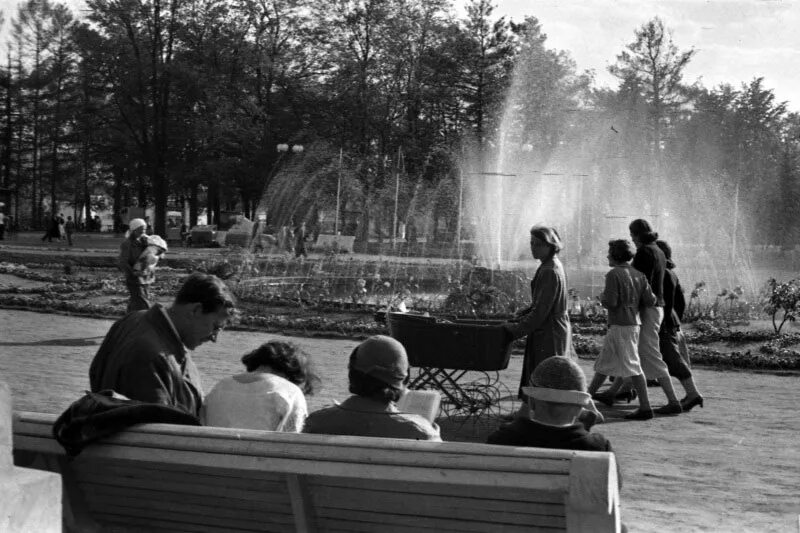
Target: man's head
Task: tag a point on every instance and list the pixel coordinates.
(203, 307)
(379, 368)
(558, 390)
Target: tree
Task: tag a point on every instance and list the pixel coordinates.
(655, 63)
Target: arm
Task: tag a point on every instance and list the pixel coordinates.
(610, 296)
(647, 297)
(544, 296)
(296, 417)
(679, 304)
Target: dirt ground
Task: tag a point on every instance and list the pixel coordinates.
(732, 466)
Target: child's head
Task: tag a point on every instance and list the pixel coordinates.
(620, 251)
(558, 390)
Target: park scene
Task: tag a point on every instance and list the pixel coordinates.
(447, 186)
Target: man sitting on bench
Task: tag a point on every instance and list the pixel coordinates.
(378, 373)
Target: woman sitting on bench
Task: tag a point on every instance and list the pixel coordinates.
(270, 395)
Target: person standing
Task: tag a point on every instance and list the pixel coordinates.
(301, 235)
(69, 227)
(146, 354)
(62, 234)
(2, 226)
(545, 322)
(129, 251)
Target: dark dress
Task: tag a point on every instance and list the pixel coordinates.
(546, 322)
(674, 305)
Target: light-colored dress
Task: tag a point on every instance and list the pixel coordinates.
(626, 292)
(256, 400)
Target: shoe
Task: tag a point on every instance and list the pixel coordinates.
(604, 398)
(640, 414)
(688, 405)
(628, 396)
(669, 409)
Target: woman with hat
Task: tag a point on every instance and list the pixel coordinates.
(269, 396)
(378, 373)
(545, 322)
(129, 252)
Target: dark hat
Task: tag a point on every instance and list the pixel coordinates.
(383, 358)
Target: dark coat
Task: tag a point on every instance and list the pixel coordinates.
(650, 261)
(546, 322)
(143, 358)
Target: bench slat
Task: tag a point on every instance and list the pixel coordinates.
(379, 520)
(406, 502)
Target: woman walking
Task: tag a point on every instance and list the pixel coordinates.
(674, 305)
(545, 322)
(626, 291)
(650, 261)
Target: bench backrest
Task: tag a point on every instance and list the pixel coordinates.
(177, 478)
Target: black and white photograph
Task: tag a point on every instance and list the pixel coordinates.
(399, 266)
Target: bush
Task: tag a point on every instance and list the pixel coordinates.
(783, 299)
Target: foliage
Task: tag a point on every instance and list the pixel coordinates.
(782, 299)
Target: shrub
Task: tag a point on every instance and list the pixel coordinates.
(782, 299)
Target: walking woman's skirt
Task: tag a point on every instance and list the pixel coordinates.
(620, 354)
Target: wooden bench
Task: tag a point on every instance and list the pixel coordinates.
(160, 477)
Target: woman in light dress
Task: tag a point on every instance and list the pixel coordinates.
(269, 396)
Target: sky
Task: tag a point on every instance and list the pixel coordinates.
(736, 40)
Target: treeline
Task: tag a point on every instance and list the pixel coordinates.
(207, 102)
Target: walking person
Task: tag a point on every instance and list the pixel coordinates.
(544, 323)
(626, 292)
(301, 236)
(668, 335)
(62, 234)
(50, 229)
(129, 252)
(650, 261)
(69, 227)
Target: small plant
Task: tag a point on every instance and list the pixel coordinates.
(782, 299)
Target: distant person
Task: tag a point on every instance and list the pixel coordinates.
(98, 224)
(301, 236)
(11, 227)
(130, 250)
(378, 372)
(62, 231)
(626, 291)
(146, 354)
(545, 322)
(51, 229)
(269, 396)
(149, 227)
(69, 228)
(668, 335)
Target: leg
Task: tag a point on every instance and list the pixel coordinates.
(644, 412)
(139, 299)
(597, 380)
